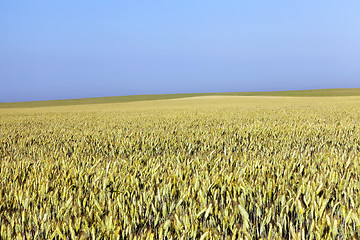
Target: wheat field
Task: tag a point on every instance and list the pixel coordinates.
(221, 167)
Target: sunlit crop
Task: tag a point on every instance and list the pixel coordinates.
(202, 168)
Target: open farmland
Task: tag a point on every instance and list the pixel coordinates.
(207, 167)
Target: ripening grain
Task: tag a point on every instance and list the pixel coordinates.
(205, 168)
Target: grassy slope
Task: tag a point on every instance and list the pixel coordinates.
(133, 98)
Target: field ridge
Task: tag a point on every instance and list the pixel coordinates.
(334, 92)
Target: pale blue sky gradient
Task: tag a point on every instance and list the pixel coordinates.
(74, 49)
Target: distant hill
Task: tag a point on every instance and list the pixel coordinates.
(133, 98)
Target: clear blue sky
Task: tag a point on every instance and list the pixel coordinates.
(73, 49)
